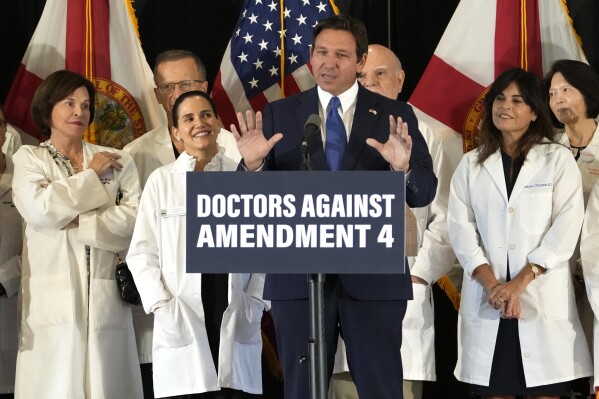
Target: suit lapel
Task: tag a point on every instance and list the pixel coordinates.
(366, 117)
(307, 104)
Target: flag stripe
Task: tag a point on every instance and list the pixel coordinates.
(89, 53)
(517, 40)
(18, 102)
(226, 110)
(460, 91)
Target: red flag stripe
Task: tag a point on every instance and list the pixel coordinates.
(19, 100)
(258, 102)
(88, 54)
(225, 109)
(518, 40)
(464, 92)
(291, 86)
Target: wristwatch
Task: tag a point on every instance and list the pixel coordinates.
(535, 270)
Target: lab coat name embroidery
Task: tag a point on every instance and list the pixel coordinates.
(175, 211)
(106, 180)
(538, 185)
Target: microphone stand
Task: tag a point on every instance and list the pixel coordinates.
(305, 156)
(316, 342)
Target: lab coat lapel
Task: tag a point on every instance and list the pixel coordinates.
(494, 167)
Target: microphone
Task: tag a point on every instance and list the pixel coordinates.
(311, 127)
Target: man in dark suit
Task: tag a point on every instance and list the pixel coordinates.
(367, 308)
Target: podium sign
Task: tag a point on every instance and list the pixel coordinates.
(295, 222)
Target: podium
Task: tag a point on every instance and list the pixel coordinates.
(298, 222)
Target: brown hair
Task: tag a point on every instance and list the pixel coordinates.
(56, 87)
(348, 24)
(534, 94)
(185, 96)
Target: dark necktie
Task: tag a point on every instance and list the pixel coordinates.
(336, 139)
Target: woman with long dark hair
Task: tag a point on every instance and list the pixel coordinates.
(515, 212)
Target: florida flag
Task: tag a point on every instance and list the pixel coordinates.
(483, 39)
(97, 39)
(268, 55)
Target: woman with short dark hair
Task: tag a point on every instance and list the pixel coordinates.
(574, 99)
(79, 202)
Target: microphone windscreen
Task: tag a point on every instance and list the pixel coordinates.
(311, 126)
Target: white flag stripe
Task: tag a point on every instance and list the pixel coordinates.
(127, 56)
(304, 78)
(557, 36)
(47, 48)
(467, 44)
(231, 83)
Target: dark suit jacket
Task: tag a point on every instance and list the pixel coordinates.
(371, 119)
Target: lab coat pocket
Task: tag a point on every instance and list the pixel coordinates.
(535, 212)
(248, 317)
(472, 297)
(551, 293)
(170, 326)
(48, 300)
(106, 308)
(419, 313)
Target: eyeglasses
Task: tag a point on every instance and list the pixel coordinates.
(3, 123)
(184, 86)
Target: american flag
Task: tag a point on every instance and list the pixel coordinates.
(264, 62)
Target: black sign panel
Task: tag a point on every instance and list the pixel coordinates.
(295, 222)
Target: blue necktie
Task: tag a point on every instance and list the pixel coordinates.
(336, 139)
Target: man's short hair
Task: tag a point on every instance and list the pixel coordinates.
(347, 23)
(176, 55)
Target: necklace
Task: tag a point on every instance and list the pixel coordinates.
(77, 162)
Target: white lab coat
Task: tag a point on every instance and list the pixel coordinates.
(149, 152)
(182, 361)
(435, 258)
(589, 251)
(588, 164)
(76, 338)
(11, 244)
(540, 223)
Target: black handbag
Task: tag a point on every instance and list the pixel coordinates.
(126, 284)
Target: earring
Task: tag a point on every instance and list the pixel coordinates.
(179, 138)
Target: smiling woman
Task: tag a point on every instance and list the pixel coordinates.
(515, 211)
(206, 326)
(196, 125)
